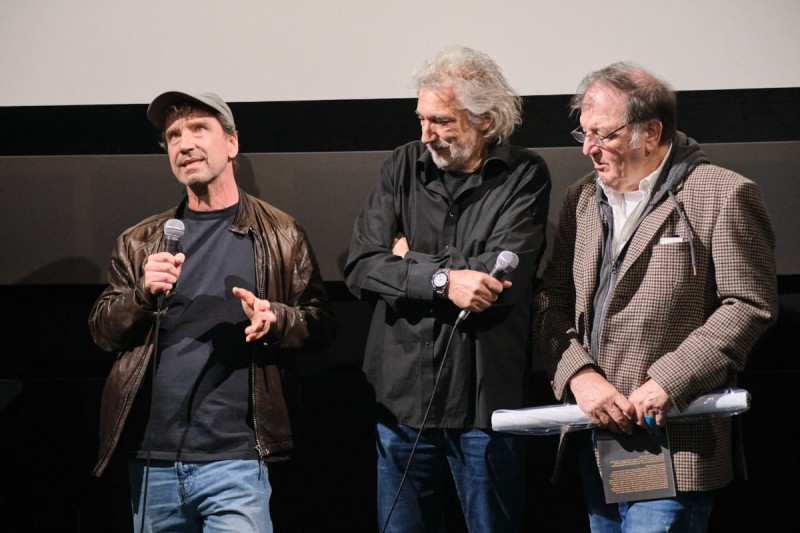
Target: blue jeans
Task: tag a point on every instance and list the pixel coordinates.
(189, 497)
(686, 512)
(488, 469)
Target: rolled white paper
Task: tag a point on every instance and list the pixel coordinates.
(551, 419)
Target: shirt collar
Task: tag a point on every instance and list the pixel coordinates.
(645, 186)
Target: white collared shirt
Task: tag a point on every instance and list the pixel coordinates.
(627, 206)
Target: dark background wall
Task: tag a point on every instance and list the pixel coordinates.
(65, 198)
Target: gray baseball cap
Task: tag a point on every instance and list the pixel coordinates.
(157, 110)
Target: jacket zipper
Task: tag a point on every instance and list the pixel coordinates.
(261, 289)
(115, 426)
(612, 283)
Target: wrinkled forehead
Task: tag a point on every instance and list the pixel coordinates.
(185, 111)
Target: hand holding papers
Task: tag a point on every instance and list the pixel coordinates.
(550, 419)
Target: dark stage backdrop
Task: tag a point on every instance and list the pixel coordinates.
(73, 177)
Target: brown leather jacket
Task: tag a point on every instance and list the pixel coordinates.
(123, 319)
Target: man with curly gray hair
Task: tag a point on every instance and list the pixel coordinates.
(450, 337)
(480, 89)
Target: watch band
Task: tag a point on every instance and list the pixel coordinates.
(440, 280)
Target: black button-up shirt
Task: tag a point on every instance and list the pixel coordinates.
(486, 366)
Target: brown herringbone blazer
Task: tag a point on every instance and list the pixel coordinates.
(692, 333)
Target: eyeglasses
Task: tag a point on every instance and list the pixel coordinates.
(596, 139)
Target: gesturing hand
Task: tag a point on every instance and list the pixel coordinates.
(259, 313)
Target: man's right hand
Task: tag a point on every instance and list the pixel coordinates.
(161, 272)
(605, 406)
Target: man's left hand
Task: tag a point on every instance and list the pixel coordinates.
(259, 313)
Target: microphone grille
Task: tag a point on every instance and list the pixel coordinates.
(507, 261)
(174, 228)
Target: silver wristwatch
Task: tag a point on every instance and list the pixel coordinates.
(440, 280)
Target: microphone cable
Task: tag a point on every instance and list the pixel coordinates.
(506, 262)
(422, 425)
(154, 366)
(173, 231)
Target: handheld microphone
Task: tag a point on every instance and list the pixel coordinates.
(505, 264)
(173, 231)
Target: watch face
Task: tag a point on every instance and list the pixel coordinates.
(440, 279)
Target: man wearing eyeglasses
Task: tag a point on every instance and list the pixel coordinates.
(662, 279)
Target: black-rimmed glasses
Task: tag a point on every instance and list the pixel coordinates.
(596, 139)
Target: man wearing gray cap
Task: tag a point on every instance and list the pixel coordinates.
(205, 306)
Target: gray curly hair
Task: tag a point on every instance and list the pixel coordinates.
(479, 85)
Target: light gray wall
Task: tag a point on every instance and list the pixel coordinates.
(55, 52)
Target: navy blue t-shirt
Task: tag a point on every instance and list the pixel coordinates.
(200, 403)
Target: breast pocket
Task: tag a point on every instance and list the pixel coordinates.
(670, 266)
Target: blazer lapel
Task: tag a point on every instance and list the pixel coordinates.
(589, 248)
